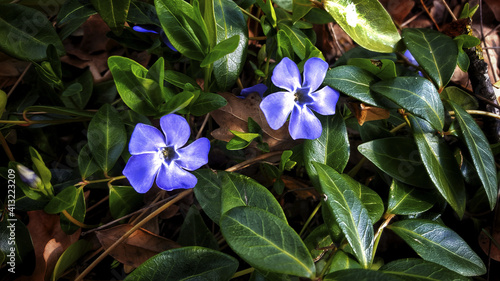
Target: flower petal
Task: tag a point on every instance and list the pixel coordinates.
(314, 73)
(194, 155)
(144, 30)
(145, 139)
(410, 58)
(276, 107)
(304, 124)
(173, 177)
(324, 101)
(176, 130)
(141, 170)
(286, 75)
(259, 88)
(165, 40)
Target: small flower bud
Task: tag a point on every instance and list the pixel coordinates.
(28, 176)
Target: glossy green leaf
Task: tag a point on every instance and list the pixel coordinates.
(420, 270)
(72, 15)
(434, 51)
(300, 8)
(480, 151)
(77, 211)
(439, 244)
(208, 13)
(383, 69)
(459, 97)
(369, 198)
(349, 212)
(41, 169)
(266, 242)
(123, 200)
(24, 259)
(220, 50)
(113, 12)
(70, 256)
(297, 38)
(26, 33)
(176, 103)
(406, 200)
(184, 27)
(354, 82)
(230, 22)
(399, 158)
(79, 95)
(187, 263)
(416, 95)
(86, 162)
(440, 164)
(205, 103)
(240, 190)
(194, 232)
(180, 79)
(342, 261)
(142, 13)
(208, 192)
(366, 22)
(62, 201)
(331, 148)
(107, 137)
(359, 274)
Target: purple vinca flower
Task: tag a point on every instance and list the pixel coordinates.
(156, 30)
(413, 61)
(299, 98)
(259, 88)
(162, 155)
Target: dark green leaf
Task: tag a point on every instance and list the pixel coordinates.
(342, 261)
(416, 95)
(107, 137)
(266, 242)
(359, 274)
(230, 22)
(77, 211)
(113, 12)
(349, 212)
(383, 69)
(405, 200)
(187, 263)
(370, 199)
(40, 169)
(24, 259)
(366, 22)
(300, 9)
(70, 256)
(208, 192)
(460, 97)
(435, 52)
(62, 201)
(74, 11)
(440, 164)
(142, 13)
(194, 232)
(318, 238)
(331, 148)
(205, 103)
(123, 200)
(180, 79)
(220, 50)
(439, 244)
(26, 33)
(80, 92)
(399, 158)
(176, 103)
(86, 162)
(480, 151)
(421, 270)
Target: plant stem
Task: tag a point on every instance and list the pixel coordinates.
(310, 218)
(249, 162)
(6, 148)
(249, 14)
(243, 272)
(480, 112)
(75, 221)
(388, 218)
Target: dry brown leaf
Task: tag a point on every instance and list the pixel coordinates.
(398, 9)
(137, 248)
(234, 116)
(364, 112)
(484, 242)
(494, 6)
(49, 242)
(302, 190)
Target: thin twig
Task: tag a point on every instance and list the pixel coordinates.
(198, 135)
(18, 80)
(332, 31)
(249, 162)
(449, 10)
(430, 15)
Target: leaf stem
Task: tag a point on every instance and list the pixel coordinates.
(249, 162)
(75, 221)
(388, 218)
(306, 224)
(243, 272)
(479, 112)
(249, 14)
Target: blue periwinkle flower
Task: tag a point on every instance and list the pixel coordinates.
(163, 155)
(156, 30)
(28, 176)
(412, 60)
(259, 88)
(299, 98)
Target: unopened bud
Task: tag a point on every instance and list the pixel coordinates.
(28, 176)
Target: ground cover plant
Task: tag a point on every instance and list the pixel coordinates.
(248, 140)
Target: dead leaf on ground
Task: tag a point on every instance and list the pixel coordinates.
(234, 116)
(49, 242)
(398, 9)
(302, 190)
(137, 248)
(484, 242)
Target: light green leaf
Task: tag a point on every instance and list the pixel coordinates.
(77, 211)
(405, 200)
(342, 261)
(383, 69)
(297, 38)
(349, 212)
(266, 242)
(176, 103)
(62, 201)
(113, 12)
(366, 22)
(220, 50)
(70, 256)
(300, 8)
(439, 244)
(420, 270)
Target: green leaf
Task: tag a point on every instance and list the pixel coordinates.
(480, 151)
(439, 244)
(220, 50)
(107, 137)
(318, 238)
(230, 22)
(435, 52)
(194, 232)
(77, 211)
(187, 263)
(245, 136)
(180, 79)
(70, 256)
(342, 261)
(300, 8)
(369, 198)
(123, 200)
(62, 201)
(113, 12)
(176, 103)
(266, 242)
(72, 15)
(40, 169)
(239, 190)
(440, 164)
(26, 33)
(349, 212)
(460, 97)
(184, 27)
(205, 103)
(237, 143)
(208, 192)
(366, 22)
(383, 69)
(60, 110)
(399, 158)
(359, 274)
(331, 148)
(354, 82)
(405, 200)
(142, 13)
(297, 38)
(86, 162)
(416, 95)
(207, 11)
(81, 90)
(420, 270)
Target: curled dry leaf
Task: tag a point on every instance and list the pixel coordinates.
(234, 116)
(137, 248)
(484, 242)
